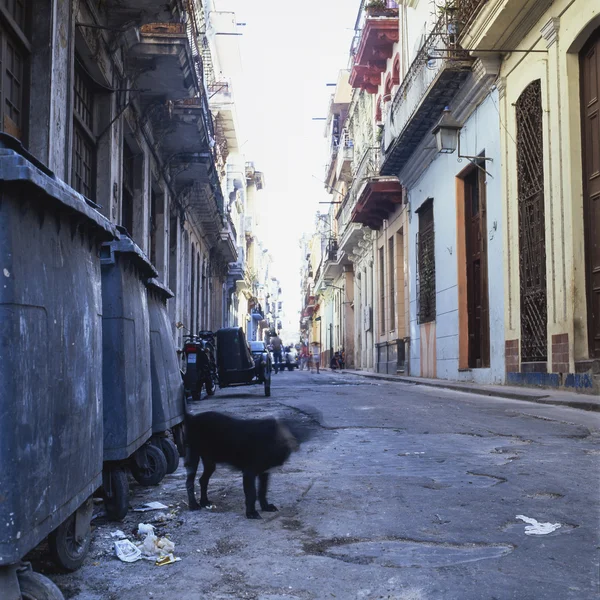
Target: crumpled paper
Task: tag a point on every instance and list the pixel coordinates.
(151, 547)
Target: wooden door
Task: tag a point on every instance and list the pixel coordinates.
(590, 103)
(477, 280)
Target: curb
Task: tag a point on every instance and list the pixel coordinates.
(499, 392)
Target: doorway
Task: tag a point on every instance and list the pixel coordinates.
(590, 106)
(477, 272)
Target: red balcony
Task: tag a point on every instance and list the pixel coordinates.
(377, 199)
(375, 46)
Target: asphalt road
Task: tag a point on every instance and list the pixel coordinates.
(406, 492)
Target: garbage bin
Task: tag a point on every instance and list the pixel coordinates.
(167, 386)
(50, 385)
(127, 390)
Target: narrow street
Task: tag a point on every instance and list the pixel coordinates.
(406, 492)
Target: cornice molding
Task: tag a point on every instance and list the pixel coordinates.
(550, 31)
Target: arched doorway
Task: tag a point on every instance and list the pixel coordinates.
(532, 229)
(589, 61)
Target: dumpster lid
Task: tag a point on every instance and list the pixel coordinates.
(125, 245)
(17, 164)
(157, 286)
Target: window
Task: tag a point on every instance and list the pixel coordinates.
(128, 187)
(152, 227)
(426, 264)
(14, 62)
(381, 292)
(392, 280)
(84, 140)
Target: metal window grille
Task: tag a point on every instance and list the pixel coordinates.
(84, 142)
(425, 252)
(84, 100)
(14, 56)
(13, 83)
(532, 236)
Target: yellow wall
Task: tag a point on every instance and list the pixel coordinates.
(558, 70)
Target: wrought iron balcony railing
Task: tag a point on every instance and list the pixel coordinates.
(440, 66)
(466, 12)
(368, 166)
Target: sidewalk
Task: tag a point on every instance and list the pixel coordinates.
(541, 395)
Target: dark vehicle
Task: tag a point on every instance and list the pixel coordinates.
(238, 365)
(260, 352)
(200, 362)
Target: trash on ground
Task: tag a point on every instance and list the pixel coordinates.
(150, 506)
(145, 529)
(167, 560)
(127, 551)
(537, 528)
(118, 534)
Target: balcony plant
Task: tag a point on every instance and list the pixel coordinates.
(379, 8)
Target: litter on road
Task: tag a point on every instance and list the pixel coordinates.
(537, 528)
(150, 506)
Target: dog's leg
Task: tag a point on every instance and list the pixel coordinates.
(263, 485)
(192, 459)
(209, 469)
(250, 493)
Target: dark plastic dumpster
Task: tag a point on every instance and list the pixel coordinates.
(127, 389)
(50, 348)
(167, 386)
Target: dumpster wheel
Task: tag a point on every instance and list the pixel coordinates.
(156, 467)
(67, 551)
(117, 504)
(35, 586)
(171, 454)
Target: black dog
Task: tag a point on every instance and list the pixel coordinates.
(251, 445)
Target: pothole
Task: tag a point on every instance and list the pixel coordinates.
(485, 480)
(545, 495)
(412, 553)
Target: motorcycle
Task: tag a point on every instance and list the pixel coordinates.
(200, 364)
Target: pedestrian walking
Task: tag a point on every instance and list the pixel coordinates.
(304, 355)
(277, 345)
(315, 357)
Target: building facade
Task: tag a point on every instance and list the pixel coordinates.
(121, 101)
(550, 144)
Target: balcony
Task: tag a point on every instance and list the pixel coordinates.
(220, 99)
(497, 24)
(377, 199)
(432, 81)
(142, 11)
(344, 159)
(227, 243)
(373, 47)
(163, 62)
(334, 260)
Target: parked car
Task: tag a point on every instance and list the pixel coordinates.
(261, 353)
(291, 358)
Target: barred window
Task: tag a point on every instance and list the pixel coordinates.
(426, 264)
(84, 140)
(14, 64)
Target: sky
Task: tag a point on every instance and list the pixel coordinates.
(289, 53)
